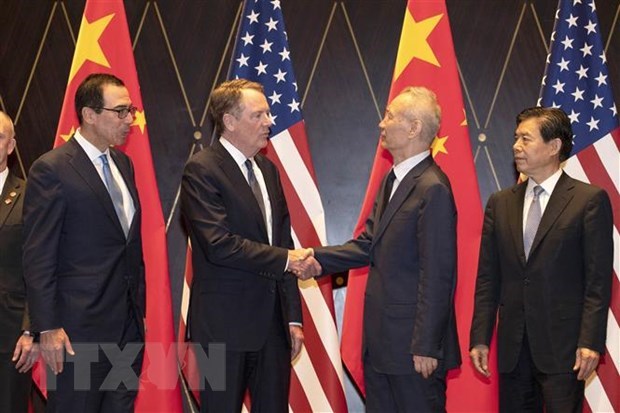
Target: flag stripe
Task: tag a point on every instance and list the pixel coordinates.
(613, 342)
(608, 374)
(298, 399)
(606, 149)
(598, 402)
(615, 292)
(302, 182)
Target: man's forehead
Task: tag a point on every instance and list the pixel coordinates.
(115, 93)
(6, 127)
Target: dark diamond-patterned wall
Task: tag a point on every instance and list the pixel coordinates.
(343, 52)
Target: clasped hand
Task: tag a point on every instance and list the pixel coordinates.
(302, 263)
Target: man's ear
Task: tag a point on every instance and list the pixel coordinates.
(556, 146)
(11, 146)
(88, 115)
(229, 121)
(416, 128)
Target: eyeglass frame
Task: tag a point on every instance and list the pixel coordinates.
(127, 110)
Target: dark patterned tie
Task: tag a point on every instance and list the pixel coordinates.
(115, 194)
(533, 219)
(256, 188)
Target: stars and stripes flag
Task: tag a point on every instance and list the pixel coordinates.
(262, 54)
(104, 45)
(426, 58)
(577, 81)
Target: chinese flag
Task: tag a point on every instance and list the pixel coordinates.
(426, 58)
(104, 45)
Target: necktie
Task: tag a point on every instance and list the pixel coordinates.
(533, 219)
(256, 188)
(115, 193)
(389, 184)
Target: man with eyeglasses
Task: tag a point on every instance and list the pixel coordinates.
(83, 255)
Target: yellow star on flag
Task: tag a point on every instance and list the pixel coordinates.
(414, 42)
(439, 145)
(464, 123)
(88, 47)
(69, 135)
(139, 120)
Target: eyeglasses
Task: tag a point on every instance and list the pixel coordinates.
(121, 112)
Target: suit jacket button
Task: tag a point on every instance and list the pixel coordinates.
(526, 281)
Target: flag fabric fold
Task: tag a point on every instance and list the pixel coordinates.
(104, 45)
(426, 58)
(576, 80)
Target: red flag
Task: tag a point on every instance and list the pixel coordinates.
(426, 58)
(104, 45)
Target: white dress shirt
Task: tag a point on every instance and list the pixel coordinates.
(403, 168)
(3, 177)
(94, 155)
(240, 160)
(547, 185)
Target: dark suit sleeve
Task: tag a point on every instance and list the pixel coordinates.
(354, 253)
(487, 281)
(206, 215)
(44, 210)
(436, 241)
(598, 268)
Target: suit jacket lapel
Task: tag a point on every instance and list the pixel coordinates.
(232, 171)
(561, 196)
(514, 206)
(85, 168)
(402, 193)
(11, 192)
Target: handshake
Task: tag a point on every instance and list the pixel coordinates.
(302, 263)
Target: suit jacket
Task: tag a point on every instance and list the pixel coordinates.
(561, 294)
(81, 272)
(411, 250)
(238, 276)
(13, 309)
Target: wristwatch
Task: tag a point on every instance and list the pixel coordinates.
(35, 336)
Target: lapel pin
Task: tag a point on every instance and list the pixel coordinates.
(8, 201)
(13, 194)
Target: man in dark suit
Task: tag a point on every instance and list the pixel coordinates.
(238, 221)
(17, 350)
(83, 254)
(545, 266)
(409, 334)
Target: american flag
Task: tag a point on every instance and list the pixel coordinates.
(577, 81)
(262, 54)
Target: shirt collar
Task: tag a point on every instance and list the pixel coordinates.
(408, 164)
(548, 184)
(91, 150)
(233, 151)
(3, 177)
